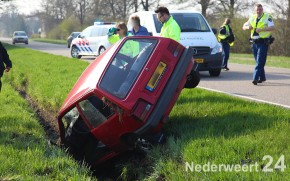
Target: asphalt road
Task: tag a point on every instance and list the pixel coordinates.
(236, 82)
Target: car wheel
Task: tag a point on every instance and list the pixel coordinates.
(101, 50)
(26, 42)
(192, 79)
(215, 72)
(75, 52)
(13, 43)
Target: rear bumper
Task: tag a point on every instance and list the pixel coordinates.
(168, 93)
(211, 62)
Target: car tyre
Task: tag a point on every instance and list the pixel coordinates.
(75, 52)
(192, 79)
(101, 50)
(215, 72)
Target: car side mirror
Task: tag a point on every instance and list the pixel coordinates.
(214, 30)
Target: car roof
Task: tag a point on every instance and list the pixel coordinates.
(19, 32)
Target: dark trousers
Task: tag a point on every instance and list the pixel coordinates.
(0, 84)
(260, 51)
(226, 48)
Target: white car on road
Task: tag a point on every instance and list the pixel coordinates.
(92, 41)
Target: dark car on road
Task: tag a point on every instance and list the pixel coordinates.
(19, 37)
(70, 38)
(124, 97)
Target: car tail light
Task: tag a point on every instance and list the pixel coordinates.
(142, 109)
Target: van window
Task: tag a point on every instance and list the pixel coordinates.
(188, 22)
(126, 66)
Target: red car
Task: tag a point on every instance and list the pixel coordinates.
(124, 97)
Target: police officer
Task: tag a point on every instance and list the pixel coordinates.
(5, 62)
(170, 28)
(261, 25)
(226, 37)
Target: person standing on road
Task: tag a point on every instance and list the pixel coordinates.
(5, 62)
(261, 25)
(137, 29)
(226, 37)
(170, 28)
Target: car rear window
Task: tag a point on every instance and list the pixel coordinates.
(188, 22)
(126, 66)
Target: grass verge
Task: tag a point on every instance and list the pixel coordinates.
(25, 151)
(207, 127)
(46, 78)
(54, 41)
(272, 61)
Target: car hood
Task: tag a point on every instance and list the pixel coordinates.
(198, 39)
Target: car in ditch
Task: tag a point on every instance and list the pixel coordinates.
(124, 97)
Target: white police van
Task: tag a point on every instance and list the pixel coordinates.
(92, 41)
(195, 33)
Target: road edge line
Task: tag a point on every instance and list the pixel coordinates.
(245, 97)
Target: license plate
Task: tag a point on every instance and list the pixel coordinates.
(199, 60)
(155, 78)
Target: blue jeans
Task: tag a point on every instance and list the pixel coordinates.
(226, 47)
(260, 51)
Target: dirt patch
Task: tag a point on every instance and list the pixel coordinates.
(47, 118)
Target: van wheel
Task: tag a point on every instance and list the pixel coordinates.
(192, 79)
(215, 72)
(101, 50)
(75, 52)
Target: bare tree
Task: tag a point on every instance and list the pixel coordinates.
(82, 9)
(229, 8)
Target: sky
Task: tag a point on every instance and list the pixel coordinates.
(27, 6)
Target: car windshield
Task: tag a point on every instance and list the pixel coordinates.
(75, 34)
(20, 34)
(126, 66)
(188, 22)
(93, 109)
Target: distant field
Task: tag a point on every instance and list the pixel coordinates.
(204, 127)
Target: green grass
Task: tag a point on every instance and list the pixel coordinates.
(47, 78)
(25, 152)
(211, 127)
(203, 127)
(272, 61)
(46, 40)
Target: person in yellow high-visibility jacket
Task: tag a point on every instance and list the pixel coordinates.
(170, 28)
(130, 48)
(261, 25)
(226, 37)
